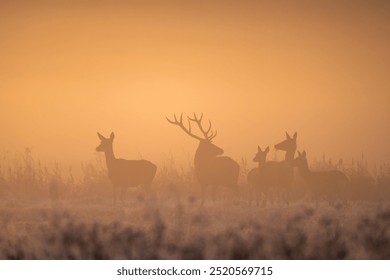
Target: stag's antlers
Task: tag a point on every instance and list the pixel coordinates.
(198, 121)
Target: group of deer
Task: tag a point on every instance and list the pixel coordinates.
(213, 170)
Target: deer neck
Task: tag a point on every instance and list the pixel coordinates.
(110, 157)
(201, 159)
(260, 164)
(289, 157)
(304, 170)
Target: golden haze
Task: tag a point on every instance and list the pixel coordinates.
(255, 68)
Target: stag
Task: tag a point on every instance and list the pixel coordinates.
(211, 169)
(125, 173)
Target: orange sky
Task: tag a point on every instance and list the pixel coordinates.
(255, 68)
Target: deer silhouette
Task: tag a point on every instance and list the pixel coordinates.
(289, 145)
(322, 184)
(260, 178)
(125, 173)
(211, 169)
(284, 170)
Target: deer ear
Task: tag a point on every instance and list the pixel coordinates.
(258, 149)
(304, 153)
(295, 136)
(112, 136)
(299, 153)
(267, 149)
(101, 137)
(288, 135)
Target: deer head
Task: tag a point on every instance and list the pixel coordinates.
(206, 148)
(106, 143)
(261, 155)
(301, 160)
(289, 146)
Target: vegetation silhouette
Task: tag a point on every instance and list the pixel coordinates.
(211, 169)
(125, 173)
(46, 214)
(328, 184)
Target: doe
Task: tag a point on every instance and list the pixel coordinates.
(125, 173)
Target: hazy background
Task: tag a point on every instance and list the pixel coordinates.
(256, 68)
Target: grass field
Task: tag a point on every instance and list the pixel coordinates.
(47, 214)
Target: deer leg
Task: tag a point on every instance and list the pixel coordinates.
(264, 198)
(148, 192)
(146, 187)
(213, 193)
(252, 195)
(114, 193)
(236, 192)
(203, 191)
(122, 193)
(257, 197)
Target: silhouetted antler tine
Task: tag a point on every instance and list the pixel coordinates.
(176, 121)
(208, 130)
(172, 122)
(204, 132)
(181, 125)
(196, 119)
(189, 125)
(212, 136)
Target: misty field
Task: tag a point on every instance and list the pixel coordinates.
(45, 213)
